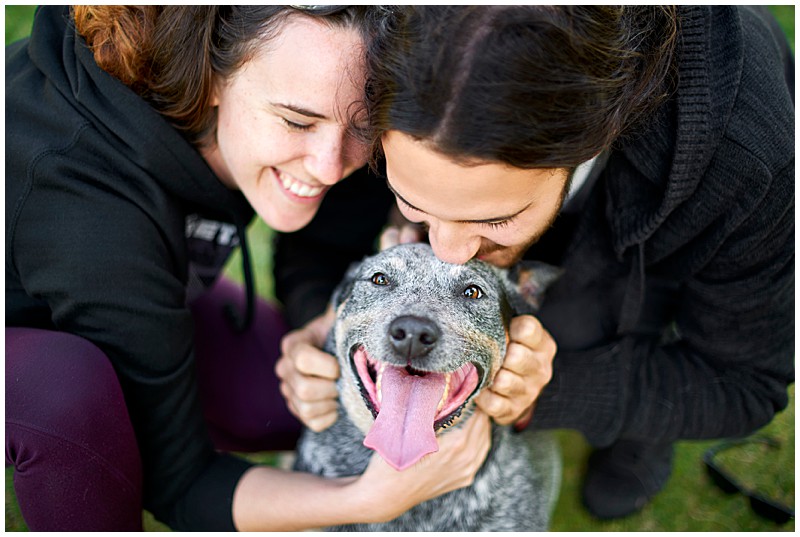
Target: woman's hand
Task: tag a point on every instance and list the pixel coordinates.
(308, 375)
(388, 493)
(526, 370)
(270, 499)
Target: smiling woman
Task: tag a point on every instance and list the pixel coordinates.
(282, 135)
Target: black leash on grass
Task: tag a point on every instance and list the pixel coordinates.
(761, 505)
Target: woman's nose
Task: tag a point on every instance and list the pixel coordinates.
(452, 243)
(334, 156)
(324, 159)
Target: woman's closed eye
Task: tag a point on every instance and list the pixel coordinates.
(295, 126)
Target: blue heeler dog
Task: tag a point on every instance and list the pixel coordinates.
(417, 339)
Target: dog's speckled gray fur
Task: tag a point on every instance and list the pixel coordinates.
(517, 486)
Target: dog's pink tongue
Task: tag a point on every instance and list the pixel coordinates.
(403, 431)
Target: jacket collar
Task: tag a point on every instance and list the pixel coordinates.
(667, 162)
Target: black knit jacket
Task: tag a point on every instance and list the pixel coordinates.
(675, 315)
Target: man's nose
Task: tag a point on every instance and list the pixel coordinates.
(452, 243)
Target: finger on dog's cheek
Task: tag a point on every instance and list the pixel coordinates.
(316, 389)
(317, 363)
(520, 360)
(321, 410)
(316, 409)
(526, 330)
(494, 405)
(320, 424)
(507, 383)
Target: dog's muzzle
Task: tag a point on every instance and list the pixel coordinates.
(410, 405)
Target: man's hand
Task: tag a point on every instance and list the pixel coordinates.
(308, 375)
(394, 235)
(527, 369)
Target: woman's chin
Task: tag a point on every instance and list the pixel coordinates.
(288, 221)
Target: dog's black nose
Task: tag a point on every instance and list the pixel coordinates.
(412, 337)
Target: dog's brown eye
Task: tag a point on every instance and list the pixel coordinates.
(473, 292)
(379, 278)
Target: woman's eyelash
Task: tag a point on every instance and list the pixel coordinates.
(295, 126)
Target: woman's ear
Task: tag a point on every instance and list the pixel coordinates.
(214, 97)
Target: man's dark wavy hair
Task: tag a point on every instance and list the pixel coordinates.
(529, 86)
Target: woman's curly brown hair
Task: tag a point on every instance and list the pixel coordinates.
(173, 55)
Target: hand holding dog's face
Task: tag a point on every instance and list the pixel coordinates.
(418, 339)
(527, 368)
(308, 374)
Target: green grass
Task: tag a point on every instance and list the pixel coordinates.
(690, 502)
(785, 17)
(19, 20)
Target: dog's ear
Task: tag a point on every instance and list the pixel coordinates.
(345, 287)
(525, 284)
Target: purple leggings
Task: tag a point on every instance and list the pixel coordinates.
(68, 434)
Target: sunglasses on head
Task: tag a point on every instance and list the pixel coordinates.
(760, 504)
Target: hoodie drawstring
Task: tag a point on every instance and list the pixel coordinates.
(238, 322)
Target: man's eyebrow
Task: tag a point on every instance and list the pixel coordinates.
(482, 221)
(299, 110)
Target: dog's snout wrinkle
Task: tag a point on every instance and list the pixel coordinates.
(413, 337)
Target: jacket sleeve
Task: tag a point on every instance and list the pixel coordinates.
(309, 263)
(726, 368)
(110, 275)
(728, 373)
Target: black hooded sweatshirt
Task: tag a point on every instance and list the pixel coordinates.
(114, 222)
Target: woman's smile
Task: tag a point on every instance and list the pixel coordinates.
(298, 190)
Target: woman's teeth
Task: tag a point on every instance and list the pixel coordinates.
(299, 189)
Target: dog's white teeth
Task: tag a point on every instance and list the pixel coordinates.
(445, 393)
(378, 378)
